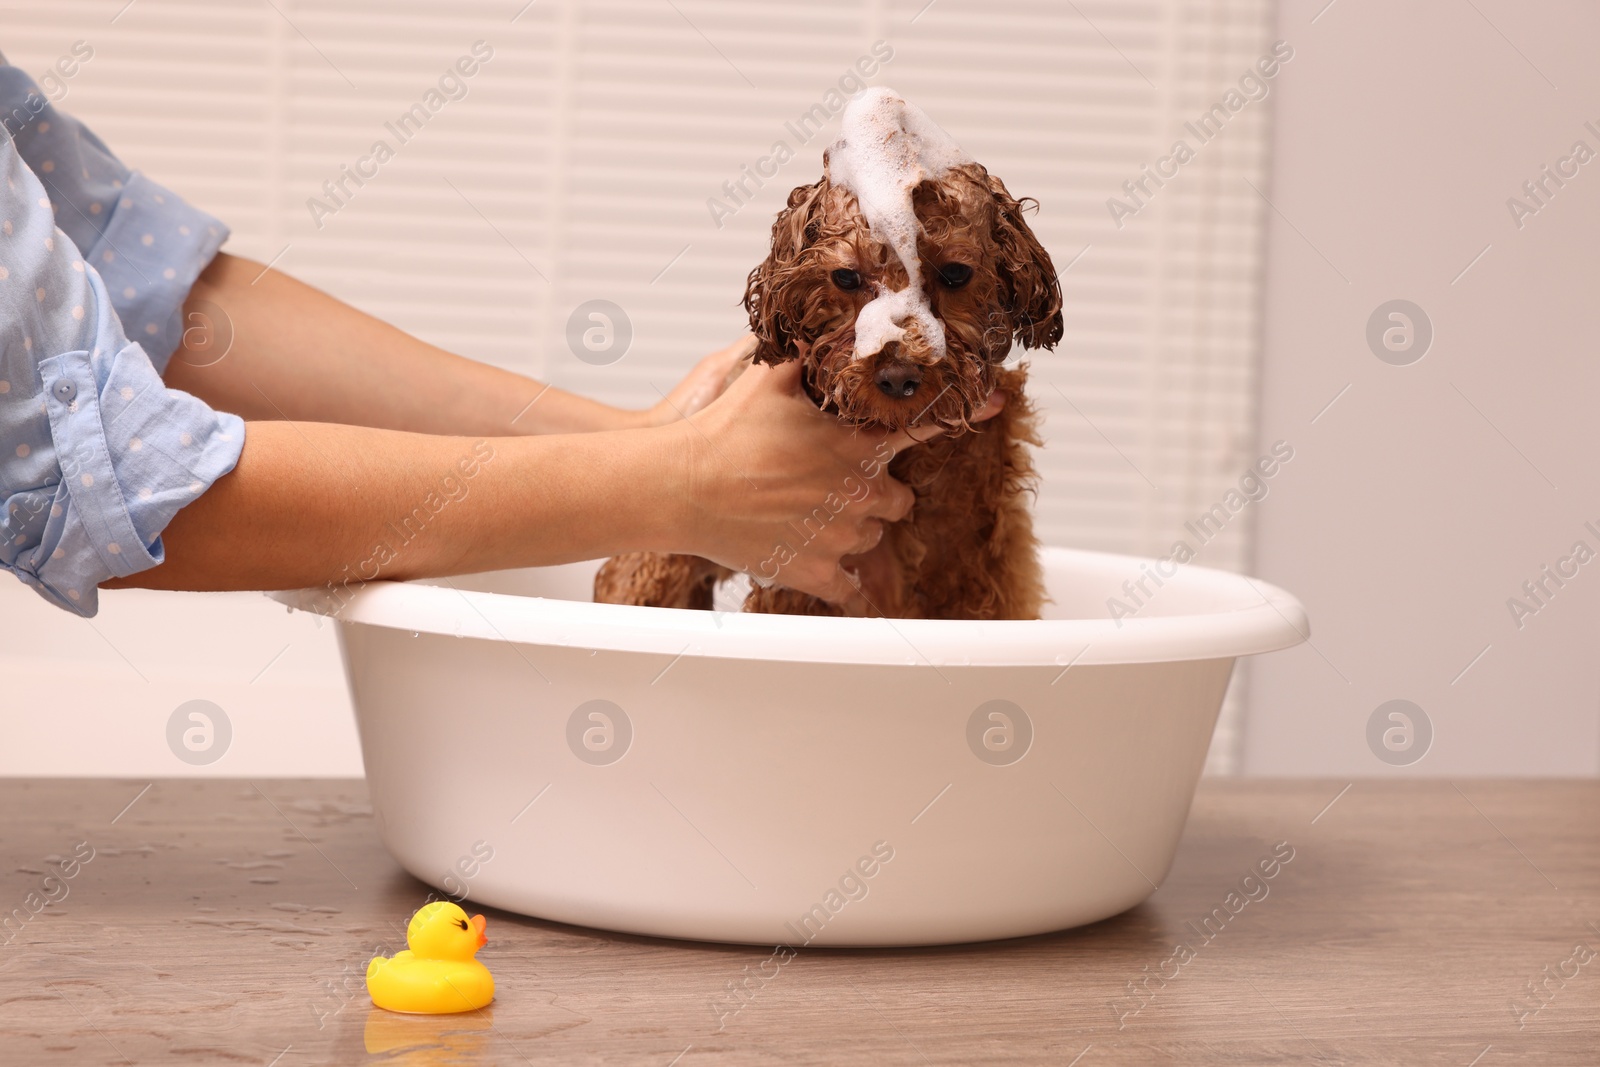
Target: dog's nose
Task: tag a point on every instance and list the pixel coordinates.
(899, 379)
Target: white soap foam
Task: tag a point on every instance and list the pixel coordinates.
(886, 148)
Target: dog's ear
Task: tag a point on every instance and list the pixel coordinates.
(1026, 269)
(776, 306)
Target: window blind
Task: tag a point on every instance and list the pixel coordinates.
(584, 157)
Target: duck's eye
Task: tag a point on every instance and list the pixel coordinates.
(847, 279)
(955, 275)
(462, 923)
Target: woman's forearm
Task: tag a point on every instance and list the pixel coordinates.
(740, 482)
(313, 503)
(294, 352)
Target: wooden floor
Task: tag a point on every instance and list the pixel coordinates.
(230, 922)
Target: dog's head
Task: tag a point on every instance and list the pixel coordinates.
(985, 278)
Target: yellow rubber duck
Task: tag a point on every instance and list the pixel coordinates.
(437, 974)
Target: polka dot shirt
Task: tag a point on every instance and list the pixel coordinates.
(148, 244)
(96, 454)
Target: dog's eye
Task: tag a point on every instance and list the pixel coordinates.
(846, 279)
(955, 275)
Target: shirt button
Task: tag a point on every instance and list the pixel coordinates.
(65, 391)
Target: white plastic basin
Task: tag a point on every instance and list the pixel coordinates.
(780, 779)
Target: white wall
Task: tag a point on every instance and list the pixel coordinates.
(579, 166)
(93, 697)
(1419, 503)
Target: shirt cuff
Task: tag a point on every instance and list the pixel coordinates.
(131, 455)
(152, 249)
(148, 243)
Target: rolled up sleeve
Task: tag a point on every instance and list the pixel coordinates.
(96, 453)
(148, 243)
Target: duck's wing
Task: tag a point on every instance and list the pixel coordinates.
(378, 963)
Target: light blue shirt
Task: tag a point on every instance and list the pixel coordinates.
(96, 453)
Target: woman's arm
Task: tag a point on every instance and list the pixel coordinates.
(294, 352)
(313, 504)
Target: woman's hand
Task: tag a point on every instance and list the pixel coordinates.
(702, 385)
(783, 491)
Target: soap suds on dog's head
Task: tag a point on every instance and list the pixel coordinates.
(886, 148)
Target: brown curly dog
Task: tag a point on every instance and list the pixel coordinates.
(967, 551)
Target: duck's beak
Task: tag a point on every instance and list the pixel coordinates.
(478, 922)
